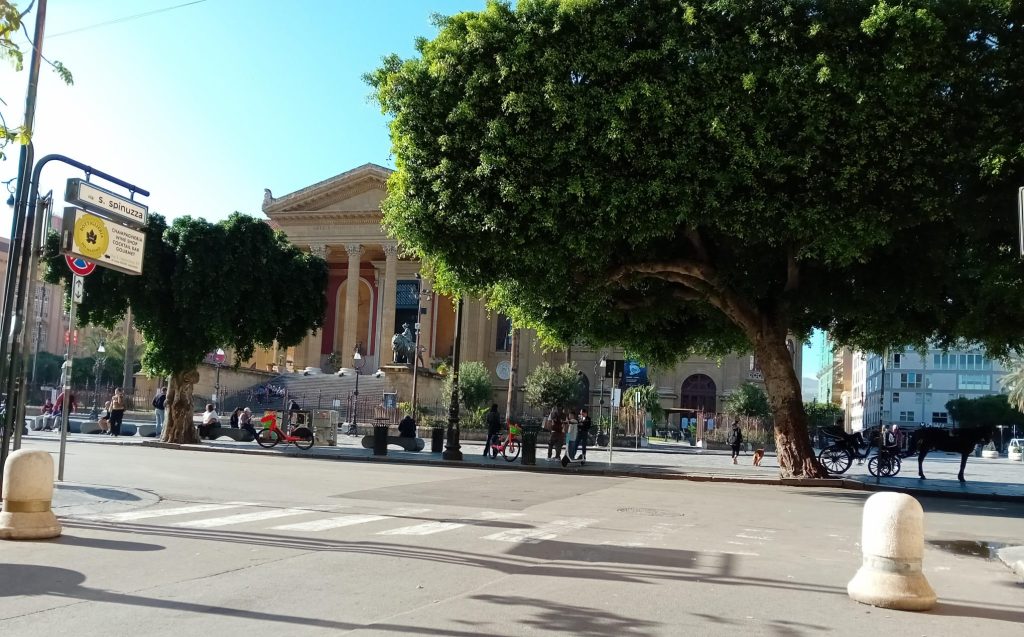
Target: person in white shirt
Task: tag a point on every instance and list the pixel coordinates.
(209, 421)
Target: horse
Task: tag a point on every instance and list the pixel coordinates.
(962, 441)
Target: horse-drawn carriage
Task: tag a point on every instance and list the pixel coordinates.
(839, 456)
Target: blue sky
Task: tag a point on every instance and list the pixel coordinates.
(208, 104)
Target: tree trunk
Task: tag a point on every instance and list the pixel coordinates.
(513, 369)
(792, 443)
(179, 428)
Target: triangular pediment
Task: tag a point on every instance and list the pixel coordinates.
(358, 190)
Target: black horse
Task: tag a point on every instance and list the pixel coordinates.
(961, 441)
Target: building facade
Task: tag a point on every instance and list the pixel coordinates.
(49, 321)
(373, 292)
(913, 387)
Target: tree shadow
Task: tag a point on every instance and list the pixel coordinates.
(99, 492)
(110, 545)
(569, 620)
(930, 503)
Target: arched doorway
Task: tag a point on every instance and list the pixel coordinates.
(699, 393)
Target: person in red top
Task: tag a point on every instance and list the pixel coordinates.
(59, 406)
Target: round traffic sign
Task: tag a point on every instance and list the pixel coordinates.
(80, 266)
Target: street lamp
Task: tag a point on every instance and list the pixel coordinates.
(451, 451)
(219, 359)
(357, 363)
(422, 295)
(97, 367)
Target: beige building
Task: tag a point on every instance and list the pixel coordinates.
(373, 290)
(48, 316)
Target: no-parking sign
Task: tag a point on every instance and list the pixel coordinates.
(79, 266)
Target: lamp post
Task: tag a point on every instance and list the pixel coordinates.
(219, 359)
(601, 365)
(452, 451)
(357, 363)
(422, 295)
(96, 369)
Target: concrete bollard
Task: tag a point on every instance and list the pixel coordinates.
(28, 494)
(892, 540)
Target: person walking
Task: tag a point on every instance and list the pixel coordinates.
(159, 403)
(493, 421)
(117, 407)
(582, 433)
(735, 440)
(557, 438)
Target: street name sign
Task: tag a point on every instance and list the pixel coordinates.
(79, 266)
(103, 241)
(106, 203)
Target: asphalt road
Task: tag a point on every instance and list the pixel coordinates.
(224, 544)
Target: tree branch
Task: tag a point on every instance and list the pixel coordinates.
(792, 271)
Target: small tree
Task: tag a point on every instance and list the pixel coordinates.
(474, 386)
(749, 400)
(822, 414)
(984, 411)
(236, 283)
(1013, 383)
(548, 387)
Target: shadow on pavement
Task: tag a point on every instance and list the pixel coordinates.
(931, 504)
(32, 580)
(110, 545)
(99, 492)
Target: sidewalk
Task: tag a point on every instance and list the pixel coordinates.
(999, 480)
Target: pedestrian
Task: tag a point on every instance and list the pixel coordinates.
(245, 422)
(570, 436)
(735, 440)
(407, 428)
(117, 407)
(208, 422)
(104, 419)
(557, 438)
(58, 408)
(234, 417)
(159, 403)
(493, 430)
(582, 433)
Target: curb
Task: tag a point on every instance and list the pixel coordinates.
(1013, 557)
(825, 483)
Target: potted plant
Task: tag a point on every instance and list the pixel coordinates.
(1015, 451)
(990, 451)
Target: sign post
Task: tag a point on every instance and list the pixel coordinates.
(65, 409)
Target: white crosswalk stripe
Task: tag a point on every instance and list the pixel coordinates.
(146, 514)
(427, 528)
(327, 524)
(548, 531)
(241, 518)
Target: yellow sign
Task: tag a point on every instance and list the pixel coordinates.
(91, 236)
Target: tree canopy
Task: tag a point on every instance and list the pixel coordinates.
(710, 177)
(748, 400)
(984, 411)
(236, 284)
(548, 386)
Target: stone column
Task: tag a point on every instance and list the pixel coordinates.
(483, 343)
(387, 324)
(427, 322)
(349, 337)
(315, 340)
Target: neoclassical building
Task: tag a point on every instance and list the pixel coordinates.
(373, 290)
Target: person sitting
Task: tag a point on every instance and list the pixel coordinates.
(245, 422)
(407, 428)
(234, 417)
(209, 420)
(104, 419)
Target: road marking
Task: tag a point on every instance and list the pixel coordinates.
(427, 528)
(498, 515)
(331, 523)
(131, 516)
(752, 537)
(548, 531)
(242, 518)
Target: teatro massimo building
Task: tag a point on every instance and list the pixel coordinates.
(372, 290)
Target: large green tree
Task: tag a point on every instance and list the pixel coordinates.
(236, 284)
(711, 177)
(748, 400)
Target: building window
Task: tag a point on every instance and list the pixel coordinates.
(974, 381)
(940, 418)
(895, 397)
(906, 416)
(897, 359)
(503, 336)
(911, 380)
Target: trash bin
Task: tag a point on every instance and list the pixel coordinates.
(380, 440)
(437, 439)
(529, 456)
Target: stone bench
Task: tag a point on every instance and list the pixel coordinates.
(85, 426)
(409, 444)
(238, 435)
(146, 431)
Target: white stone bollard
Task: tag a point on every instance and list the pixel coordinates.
(892, 540)
(28, 494)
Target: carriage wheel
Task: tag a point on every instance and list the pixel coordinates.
(835, 459)
(893, 466)
(873, 466)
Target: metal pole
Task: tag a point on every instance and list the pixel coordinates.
(611, 420)
(452, 447)
(416, 348)
(66, 407)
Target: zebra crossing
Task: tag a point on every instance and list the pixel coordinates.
(396, 522)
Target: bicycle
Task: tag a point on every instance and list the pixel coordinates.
(271, 434)
(510, 446)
